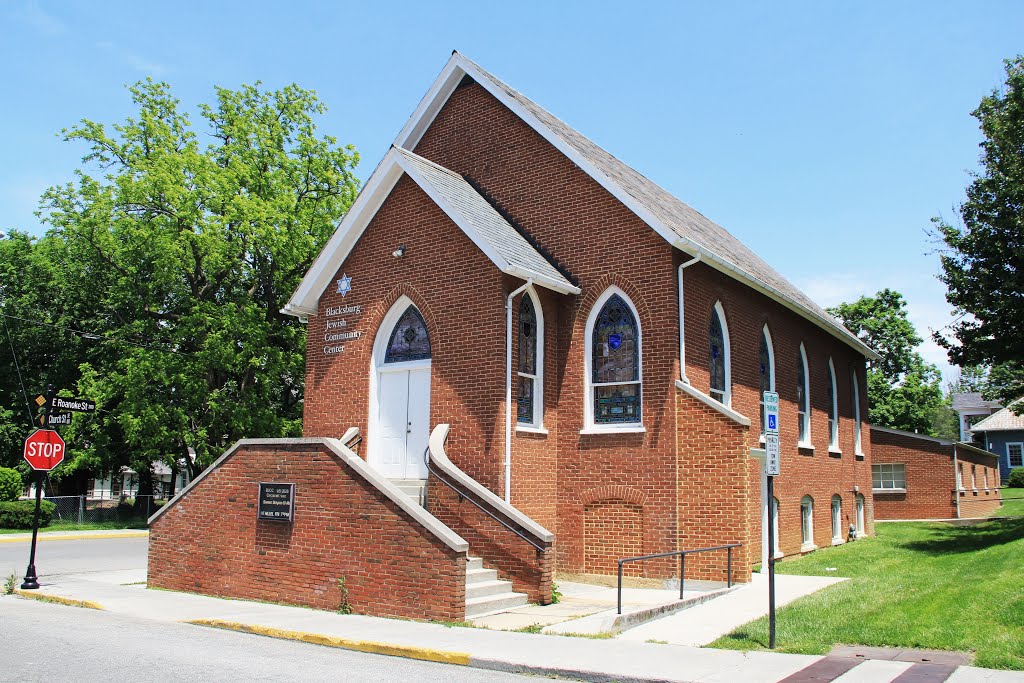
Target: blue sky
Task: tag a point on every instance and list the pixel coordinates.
(824, 135)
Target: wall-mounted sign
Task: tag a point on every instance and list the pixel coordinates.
(276, 502)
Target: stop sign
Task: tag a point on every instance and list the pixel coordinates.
(44, 449)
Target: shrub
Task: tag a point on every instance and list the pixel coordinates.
(17, 514)
(10, 484)
(1016, 477)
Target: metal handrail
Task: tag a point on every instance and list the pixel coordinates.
(682, 565)
(487, 512)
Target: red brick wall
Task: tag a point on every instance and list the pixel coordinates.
(210, 542)
(516, 560)
(979, 500)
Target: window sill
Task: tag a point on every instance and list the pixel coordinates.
(878, 491)
(808, 547)
(835, 452)
(530, 430)
(624, 429)
(859, 456)
(805, 446)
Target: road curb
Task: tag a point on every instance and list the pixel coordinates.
(75, 537)
(406, 651)
(59, 599)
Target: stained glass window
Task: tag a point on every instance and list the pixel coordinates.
(766, 373)
(526, 412)
(803, 409)
(717, 342)
(615, 364)
(833, 412)
(409, 340)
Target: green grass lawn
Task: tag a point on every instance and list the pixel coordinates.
(87, 526)
(1013, 503)
(932, 586)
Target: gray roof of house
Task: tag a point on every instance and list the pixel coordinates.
(685, 221)
(972, 400)
(1003, 421)
(484, 219)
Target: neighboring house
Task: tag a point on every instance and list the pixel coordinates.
(971, 408)
(922, 477)
(598, 348)
(126, 483)
(1002, 433)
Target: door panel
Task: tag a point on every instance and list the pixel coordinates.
(418, 423)
(393, 398)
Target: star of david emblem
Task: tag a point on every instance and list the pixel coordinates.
(344, 285)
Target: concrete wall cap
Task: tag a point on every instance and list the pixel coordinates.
(712, 403)
(443, 463)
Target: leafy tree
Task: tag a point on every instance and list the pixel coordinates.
(177, 258)
(904, 390)
(983, 259)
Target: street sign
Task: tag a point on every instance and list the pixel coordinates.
(44, 449)
(771, 412)
(771, 448)
(52, 420)
(80, 405)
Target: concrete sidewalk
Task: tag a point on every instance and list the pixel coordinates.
(578, 658)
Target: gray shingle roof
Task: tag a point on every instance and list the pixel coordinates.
(972, 400)
(484, 220)
(684, 221)
(1003, 421)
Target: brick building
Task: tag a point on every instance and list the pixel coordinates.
(582, 355)
(922, 477)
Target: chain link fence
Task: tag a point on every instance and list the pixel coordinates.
(82, 509)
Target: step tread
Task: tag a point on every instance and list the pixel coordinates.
(497, 597)
(481, 575)
(485, 588)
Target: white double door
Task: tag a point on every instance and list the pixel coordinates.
(403, 403)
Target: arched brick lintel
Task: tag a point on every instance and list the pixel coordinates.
(624, 493)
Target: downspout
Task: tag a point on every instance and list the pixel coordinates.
(956, 482)
(508, 388)
(682, 340)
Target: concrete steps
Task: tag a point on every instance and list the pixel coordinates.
(413, 488)
(486, 593)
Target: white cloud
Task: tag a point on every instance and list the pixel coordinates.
(135, 61)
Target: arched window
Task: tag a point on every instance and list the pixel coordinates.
(856, 415)
(833, 409)
(775, 527)
(803, 398)
(409, 339)
(530, 393)
(807, 522)
(718, 339)
(837, 519)
(766, 355)
(613, 354)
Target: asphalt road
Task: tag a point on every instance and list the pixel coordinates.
(59, 557)
(45, 642)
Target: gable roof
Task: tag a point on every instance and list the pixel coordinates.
(972, 400)
(1002, 421)
(473, 214)
(679, 224)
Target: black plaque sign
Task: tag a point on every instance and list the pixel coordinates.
(276, 502)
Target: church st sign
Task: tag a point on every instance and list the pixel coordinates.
(276, 502)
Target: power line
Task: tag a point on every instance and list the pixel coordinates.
(92, 336)
(17, 367)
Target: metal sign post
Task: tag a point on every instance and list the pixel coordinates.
(36, 445)
(771, 468)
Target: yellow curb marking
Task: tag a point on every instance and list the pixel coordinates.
(59, 599)
(76, 537)
(409, 652)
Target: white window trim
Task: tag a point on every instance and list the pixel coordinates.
(833, 435)
(837, 520)
(857, 445)
(807, 524)
(896, 489)
(719, 311)
(1014, 443)
(536, 426)
(806, 441)
(860, 525)
(589, 426)
(960, 477)
(766, 333)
